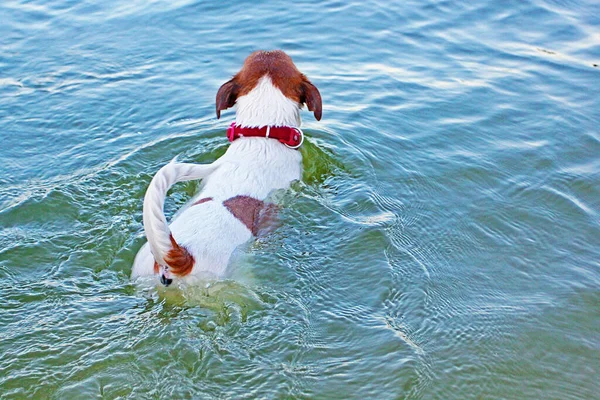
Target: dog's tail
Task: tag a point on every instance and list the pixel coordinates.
(165, 249)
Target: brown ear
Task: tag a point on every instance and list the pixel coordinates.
(226, 96)
(312, 98)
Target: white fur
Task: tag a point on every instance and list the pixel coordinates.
(251, 167)
(155, 223)
(265, 105)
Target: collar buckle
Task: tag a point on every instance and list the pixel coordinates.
(297, 137)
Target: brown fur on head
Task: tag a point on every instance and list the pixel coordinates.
(284, 75)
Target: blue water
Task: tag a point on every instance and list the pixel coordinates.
(444, 242)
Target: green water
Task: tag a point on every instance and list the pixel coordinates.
(443, 243)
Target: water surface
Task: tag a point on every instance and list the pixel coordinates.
(444, 242)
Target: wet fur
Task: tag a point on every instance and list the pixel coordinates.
(199, 242)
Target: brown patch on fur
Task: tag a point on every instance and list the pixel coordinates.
(156, 267)
(282, 71)
(203, 200)
(179, 260)
(254, 213)
(246, 209)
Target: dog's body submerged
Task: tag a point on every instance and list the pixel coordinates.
(269, 92)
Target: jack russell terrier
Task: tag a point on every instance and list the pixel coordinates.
(269, 93)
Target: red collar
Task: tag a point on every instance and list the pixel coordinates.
(290, 136)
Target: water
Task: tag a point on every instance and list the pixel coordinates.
(444, 242)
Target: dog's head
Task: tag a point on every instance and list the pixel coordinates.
(283, 74)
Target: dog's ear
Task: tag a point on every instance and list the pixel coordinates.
(226, 96)
(312, 98)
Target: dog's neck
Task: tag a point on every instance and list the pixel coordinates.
(265, 105)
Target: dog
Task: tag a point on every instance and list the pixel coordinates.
(268, 92)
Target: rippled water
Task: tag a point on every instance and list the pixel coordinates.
(444, 242)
